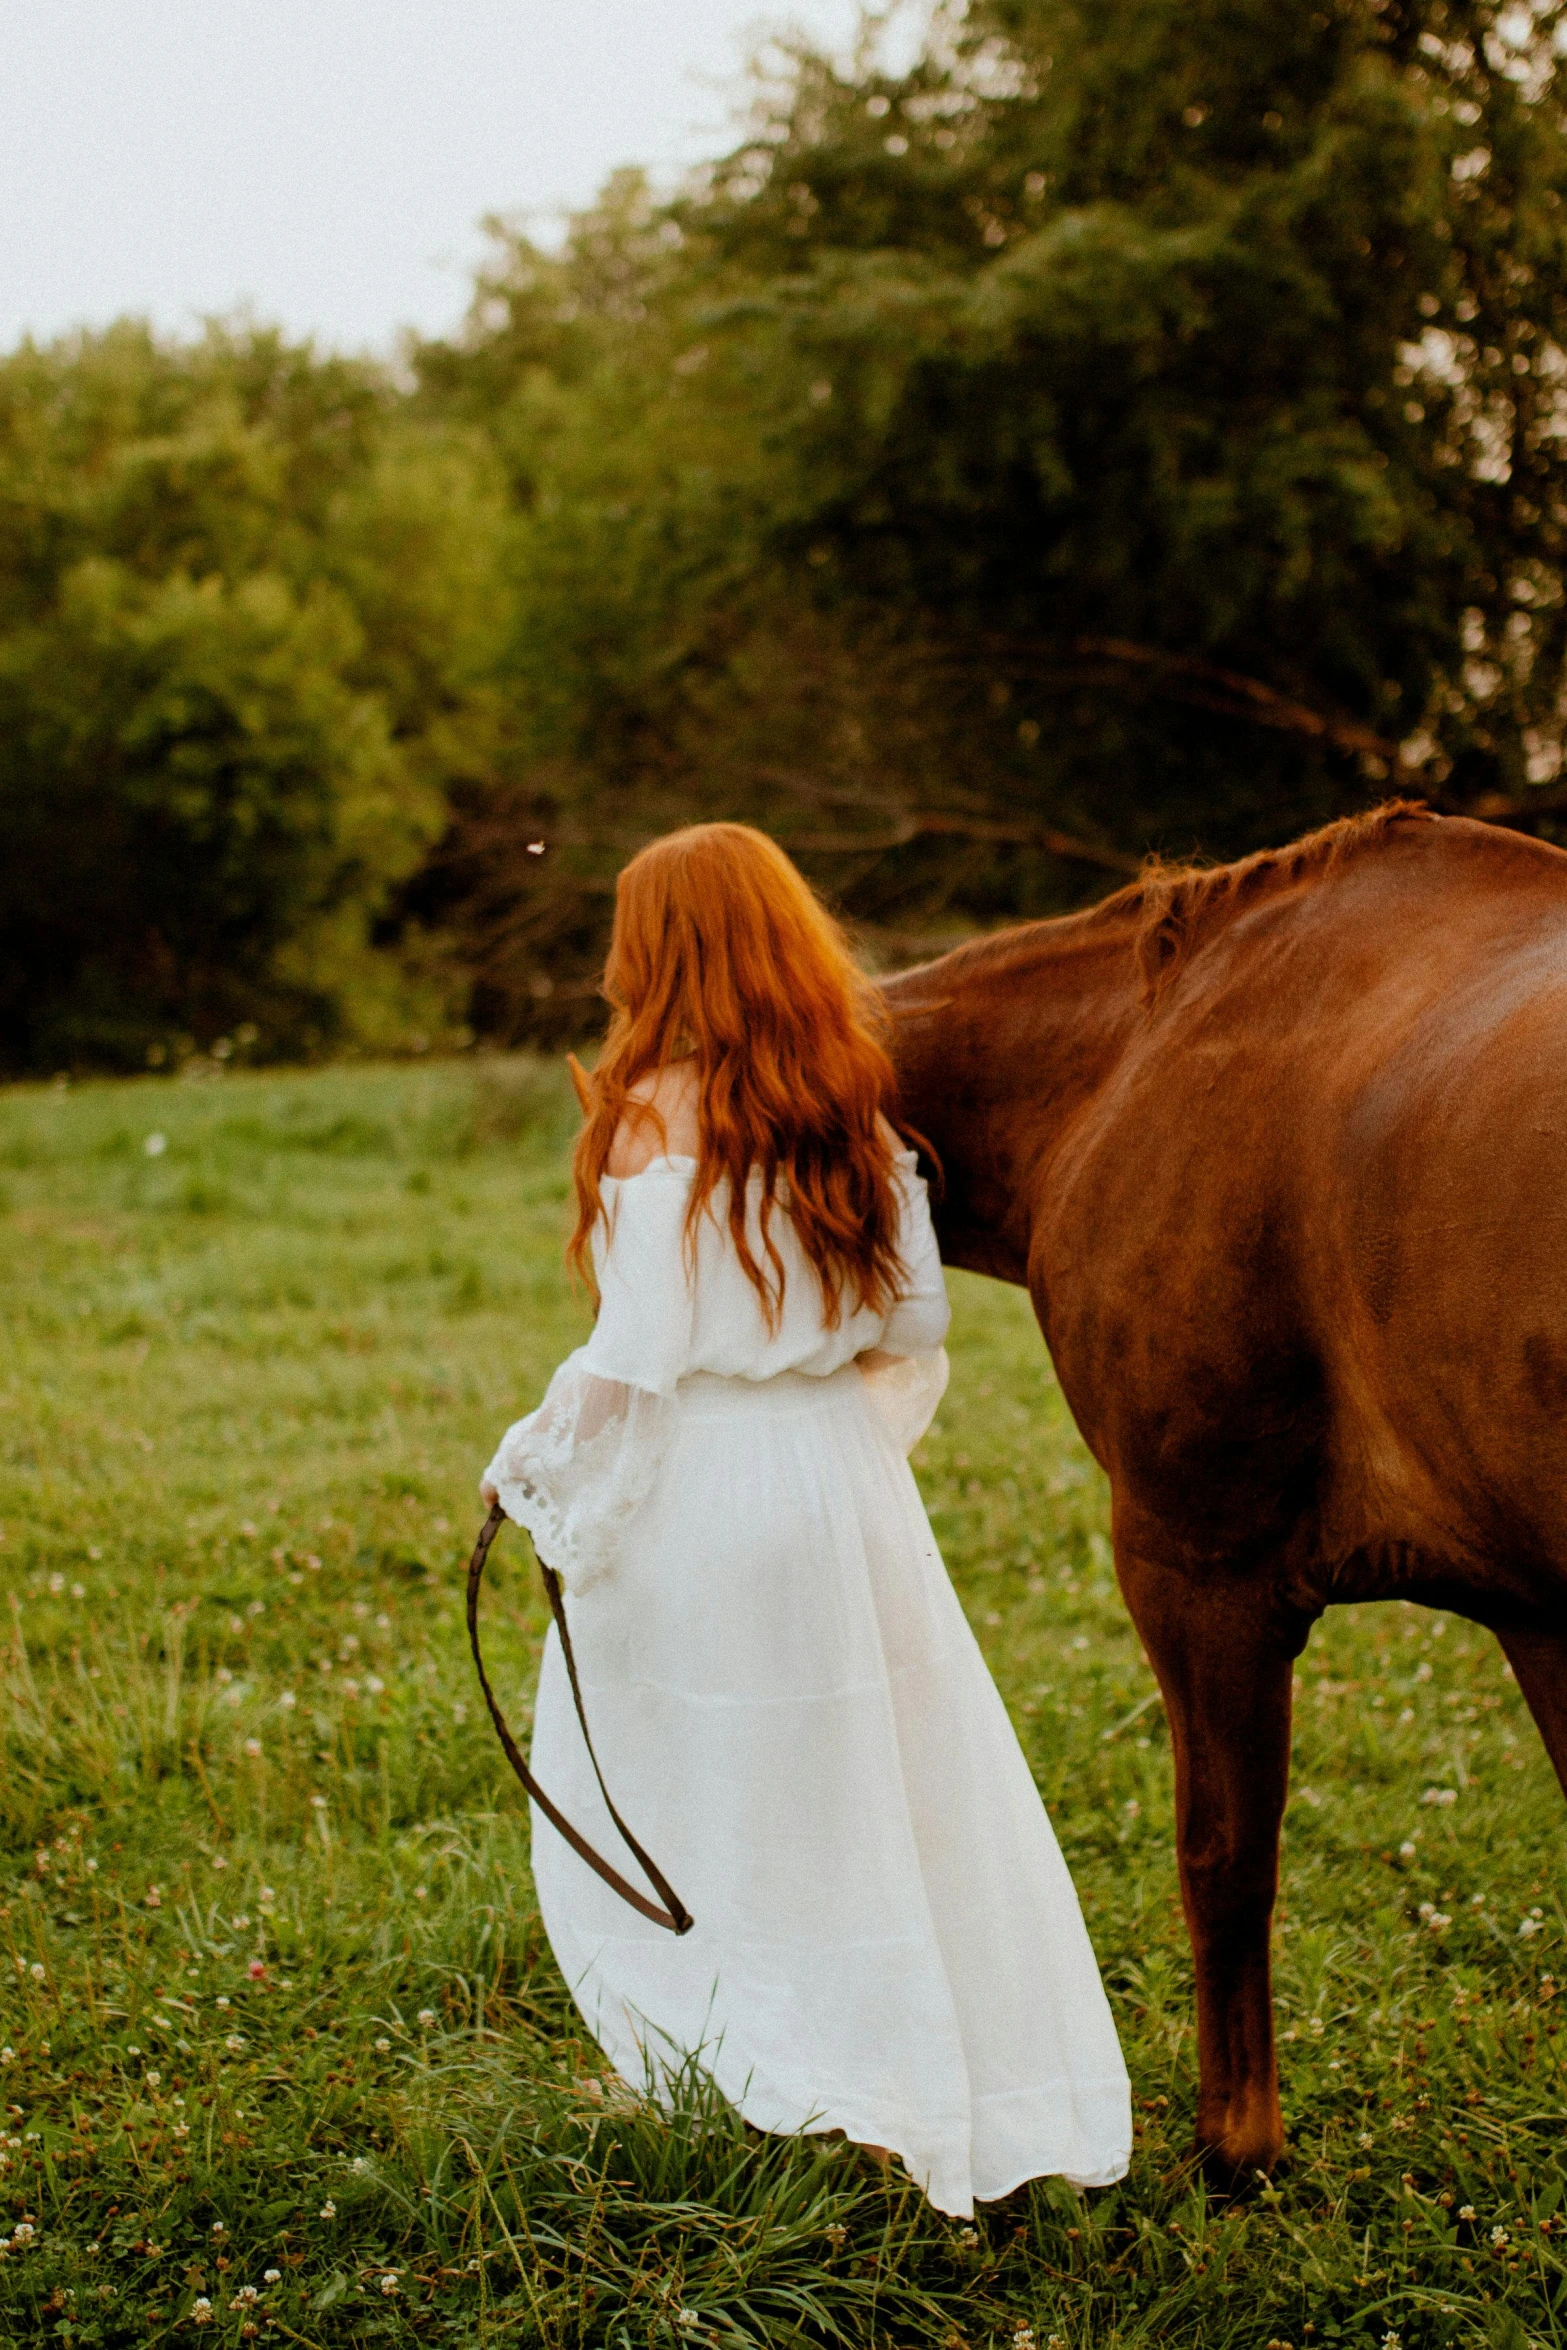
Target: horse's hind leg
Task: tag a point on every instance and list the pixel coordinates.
(1539, 1662)
(1224, 1666)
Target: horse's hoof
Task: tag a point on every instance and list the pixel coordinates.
(1239, 2171)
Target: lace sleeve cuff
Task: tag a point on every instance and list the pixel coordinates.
(905, 1390)
(576, 1471)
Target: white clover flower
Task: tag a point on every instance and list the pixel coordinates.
(1407, 1849)
(271, 2276)
(1366, 2139)
(234, 2042)
(23, 2232)
(1528, 1926)
(329, 2209)
(968, 2238)
(382, 2045)
(427, 2017)
(1500, 2239)
(37, 1970)
(1467, 2211)
(201, 2311)
(245, 2297)
(154, 2080)
(1391, 2341)
(389, 2284)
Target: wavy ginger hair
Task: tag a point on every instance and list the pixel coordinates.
(722, 954)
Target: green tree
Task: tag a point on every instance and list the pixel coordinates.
(250, 610)
(1134, 426)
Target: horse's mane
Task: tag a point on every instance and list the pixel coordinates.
(1171, 909)
(1177, 906)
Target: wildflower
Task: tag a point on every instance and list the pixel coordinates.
(253, 1747)
(221, 2001)
(1467, 2211)
(1023, 2338)
(389, 2284)
(1500, 2239)
(288, 1701)
(426, 2017)
(234, 2043)
(201, 2311)
(256, 1969)
(23, 2232)
(382, 2046)
(1441, 1796)
(36, 1970)
(837, 2235)
(1528, 1926)
(1407, 1849)
(421, 1893)
(267, 1895)
(688, 2318)
(318, 1803)
(329, 2209)
(968, 2238)
(1366, 2139)
(153, 1897)
(1391, 2341)
(154, 2080)
(218, 2229)
(182, 2129)
(271, 2276)
(131, 2049)
(7, 2056)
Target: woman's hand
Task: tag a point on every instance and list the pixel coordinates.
(487, 1493)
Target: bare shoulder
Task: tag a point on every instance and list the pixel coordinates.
(661, 1119)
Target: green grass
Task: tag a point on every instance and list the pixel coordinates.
(273, 1991)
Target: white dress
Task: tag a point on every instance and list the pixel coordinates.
(797, 1723)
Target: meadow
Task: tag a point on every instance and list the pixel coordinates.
(283, 2053)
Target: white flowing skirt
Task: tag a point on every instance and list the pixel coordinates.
(796, 1721)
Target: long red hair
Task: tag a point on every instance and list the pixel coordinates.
(722, 953)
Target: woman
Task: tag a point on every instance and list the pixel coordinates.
(787, 1701)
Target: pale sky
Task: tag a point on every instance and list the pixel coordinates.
(325, 162)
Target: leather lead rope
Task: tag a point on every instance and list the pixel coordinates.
(675, 1916)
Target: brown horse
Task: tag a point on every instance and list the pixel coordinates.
(1280, 1153)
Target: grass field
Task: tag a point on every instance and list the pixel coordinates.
(283, 2053)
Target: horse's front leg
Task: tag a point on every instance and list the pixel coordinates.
(1224, 1665)
(1538, 1657)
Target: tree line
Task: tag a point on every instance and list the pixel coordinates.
(1137, 426)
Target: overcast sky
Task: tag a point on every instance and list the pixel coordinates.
(326, 161)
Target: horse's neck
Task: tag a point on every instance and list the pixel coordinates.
(998, 1051)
